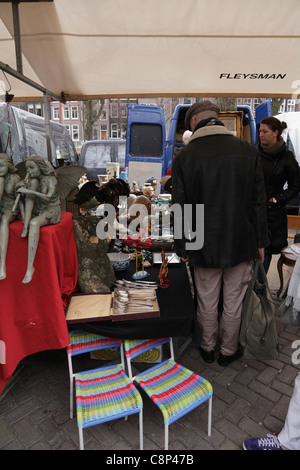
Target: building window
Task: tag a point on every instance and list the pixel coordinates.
(35, 108)
(38, 109)
(124, 110)
(114, 110)
(67, 127)
(103, 114)
(74, 112)
(95, 132)
(56, 113)
(66, 112)
(114, 131)
(75, 132)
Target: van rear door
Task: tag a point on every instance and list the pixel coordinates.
(263, 110)
(146, 141)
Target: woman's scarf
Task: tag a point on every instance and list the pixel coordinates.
(274, 149)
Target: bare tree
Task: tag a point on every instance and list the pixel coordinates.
(89, 116)
(226, 104)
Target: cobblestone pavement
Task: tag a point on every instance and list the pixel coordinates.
(251, 398)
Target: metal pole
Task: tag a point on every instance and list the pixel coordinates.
(30, 82)
(47, 126)
(17, 35)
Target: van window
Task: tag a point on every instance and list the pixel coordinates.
(96, 155)
(64, 149)
(146, 140)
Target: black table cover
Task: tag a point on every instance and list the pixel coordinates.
(177, 310)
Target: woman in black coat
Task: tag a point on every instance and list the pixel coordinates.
(282, 182)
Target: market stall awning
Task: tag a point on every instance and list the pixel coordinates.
(128, 48)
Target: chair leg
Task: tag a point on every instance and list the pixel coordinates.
(71, 398)
(166, 436)
(80, 431)
(209, 416)
(141, 429)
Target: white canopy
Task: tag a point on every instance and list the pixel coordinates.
(132, 48)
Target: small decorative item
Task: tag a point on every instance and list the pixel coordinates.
(113, 170)
(153, 182)
(134, 187)
(164, 281)
(119, 261)
(147, 190)
(139, 274)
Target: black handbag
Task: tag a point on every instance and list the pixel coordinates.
(258, 334)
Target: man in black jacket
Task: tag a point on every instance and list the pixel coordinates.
(222, 174)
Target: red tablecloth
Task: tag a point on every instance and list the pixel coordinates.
(32, 316)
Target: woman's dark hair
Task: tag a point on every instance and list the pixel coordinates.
(274, 124)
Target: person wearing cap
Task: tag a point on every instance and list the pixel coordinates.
(222, 173)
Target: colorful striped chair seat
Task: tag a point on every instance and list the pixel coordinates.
(174, 389)
(104, 394)
(84, 341)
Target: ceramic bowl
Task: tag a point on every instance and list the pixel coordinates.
(119, 261)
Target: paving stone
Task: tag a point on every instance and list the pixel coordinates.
(229, 429)
(27, 433)
(282, 388)
(6, 434)
(264, 391)
(288, 374)
(246, 375)
(280, 409)
(267, 376)
(23, 410)
(243, 392)
(52, 433)
(253, 428)
(236, 411)
(260, 408)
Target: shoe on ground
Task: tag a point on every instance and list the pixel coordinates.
(207, 356)
(262, 443)
(226, 360)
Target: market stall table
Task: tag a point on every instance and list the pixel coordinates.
(176, 304)
(32, 316)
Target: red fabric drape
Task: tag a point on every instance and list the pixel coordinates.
(32, 316)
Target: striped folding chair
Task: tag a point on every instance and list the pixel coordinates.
(105, 393)
(173, 388)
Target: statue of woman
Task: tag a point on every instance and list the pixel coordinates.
(8, 182)
(41, 206)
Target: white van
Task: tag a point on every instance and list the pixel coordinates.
(291, 136)
(23, 134)
(96, 154)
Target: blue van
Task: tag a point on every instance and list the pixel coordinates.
(146, 136)
(95, 154)
(145, 143)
